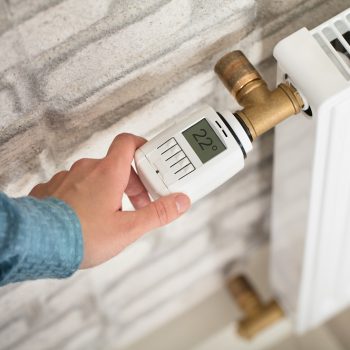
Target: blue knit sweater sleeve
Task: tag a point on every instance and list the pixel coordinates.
(38, 239)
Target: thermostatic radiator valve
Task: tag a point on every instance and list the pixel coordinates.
(204, 150)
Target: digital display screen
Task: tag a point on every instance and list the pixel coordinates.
(204, 140)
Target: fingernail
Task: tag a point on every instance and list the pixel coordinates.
(182, 203)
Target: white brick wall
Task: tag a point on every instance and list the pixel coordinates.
(75, 73)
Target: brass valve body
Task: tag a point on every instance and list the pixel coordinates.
(262, 109)
(257, 315)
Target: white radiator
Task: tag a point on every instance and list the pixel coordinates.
(310, 263)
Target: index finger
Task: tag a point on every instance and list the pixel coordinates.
(123, 148)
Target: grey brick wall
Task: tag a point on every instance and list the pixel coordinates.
(73, 74)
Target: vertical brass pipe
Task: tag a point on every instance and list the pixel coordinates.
(262, 109)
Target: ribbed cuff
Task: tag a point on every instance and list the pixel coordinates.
(46, 240)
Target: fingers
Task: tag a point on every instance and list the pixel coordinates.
(56, 182)
(156, 214)
(84, 164)
(123, 148)
(136, 191)
(39, 191)
(117, 164)
(57, 179)
(46, 189)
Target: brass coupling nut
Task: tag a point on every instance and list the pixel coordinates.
(262, 109)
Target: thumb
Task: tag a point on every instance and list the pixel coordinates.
(156, 214)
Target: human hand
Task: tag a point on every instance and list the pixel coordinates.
(94, 189)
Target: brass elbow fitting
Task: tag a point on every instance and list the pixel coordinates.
(262, 109)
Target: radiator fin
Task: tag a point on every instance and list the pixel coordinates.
(334, 38)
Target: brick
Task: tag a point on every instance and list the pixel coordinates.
(11, 49)
(19, 166)
(88, 338)
(43, 338)
(23, 9)
(119, 266)
(22, 101)
(22, 295)
(24, 185)
(53, 26)
(5, 22)
(7, 102)
(126, 59)
(12, 331)
(129, 45)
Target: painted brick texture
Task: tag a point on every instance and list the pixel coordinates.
(73, 74)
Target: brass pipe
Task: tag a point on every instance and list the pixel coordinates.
(262, 109)
(257, 315)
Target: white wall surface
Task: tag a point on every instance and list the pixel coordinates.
(75, 73)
